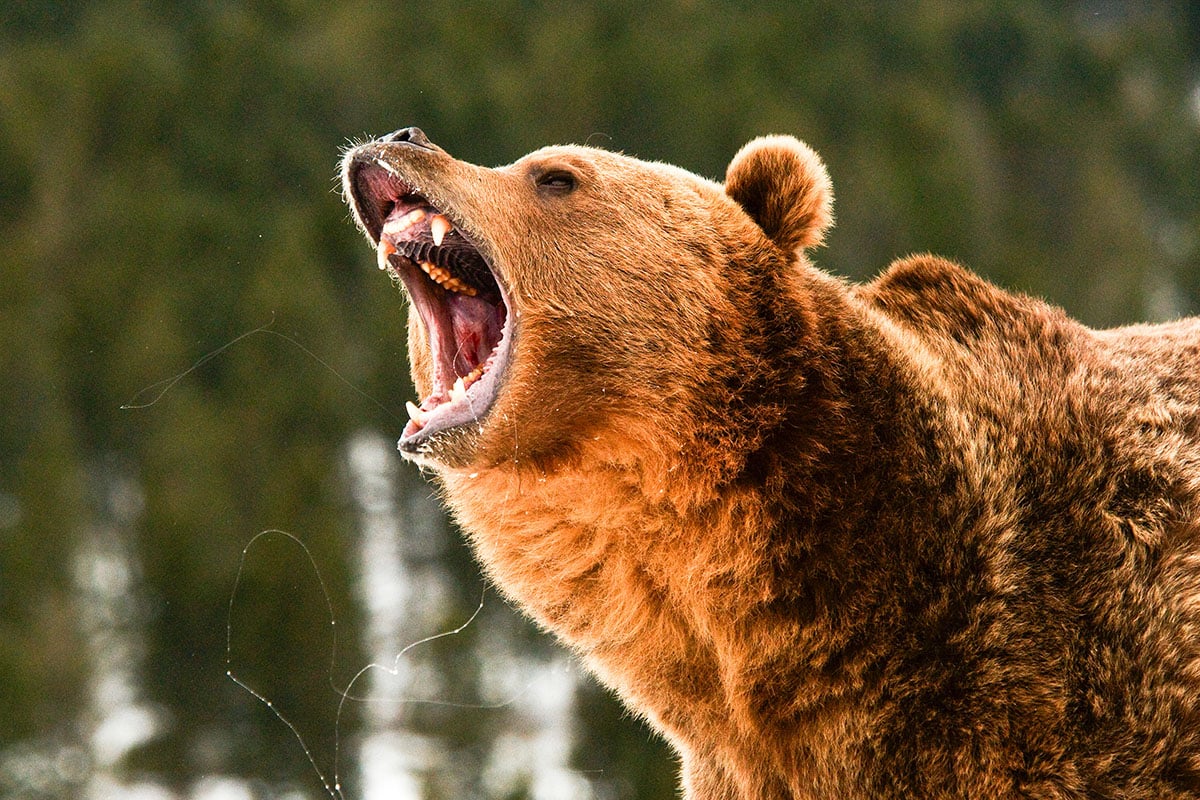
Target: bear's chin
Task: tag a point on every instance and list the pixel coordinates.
(454, 448)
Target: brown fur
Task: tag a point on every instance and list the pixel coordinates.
(915, 538)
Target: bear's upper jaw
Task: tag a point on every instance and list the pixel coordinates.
(462, 306)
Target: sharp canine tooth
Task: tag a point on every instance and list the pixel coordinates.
(415, 414)
(459, 392)
(386, 250)
(439, 226)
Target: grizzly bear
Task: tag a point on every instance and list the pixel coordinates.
(916, 538)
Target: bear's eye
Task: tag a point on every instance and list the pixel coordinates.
(556, 181)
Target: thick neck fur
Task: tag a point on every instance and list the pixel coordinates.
(615, 550)
(914, 505)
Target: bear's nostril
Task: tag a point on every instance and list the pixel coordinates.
(412, 135)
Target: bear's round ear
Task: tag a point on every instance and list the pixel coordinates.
(783, 186)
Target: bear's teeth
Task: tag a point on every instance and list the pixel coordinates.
(386, 251)
(415, 414)
(459, 391)
(458, 286)
(401, 224)
(439, 226)
(447, 281)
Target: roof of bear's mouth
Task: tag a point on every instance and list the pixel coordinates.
(457, 293)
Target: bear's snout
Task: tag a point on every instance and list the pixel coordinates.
(410, 135)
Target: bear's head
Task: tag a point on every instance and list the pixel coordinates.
(579, 298)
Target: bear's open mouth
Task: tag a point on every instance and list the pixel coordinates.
(462, 305)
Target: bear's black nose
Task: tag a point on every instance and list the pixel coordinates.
(414, 136)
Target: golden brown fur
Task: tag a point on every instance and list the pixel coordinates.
(914, 538)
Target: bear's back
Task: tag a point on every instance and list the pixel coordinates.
(1021, 354)
(1088, 444)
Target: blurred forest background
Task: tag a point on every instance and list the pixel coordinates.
(196, 347)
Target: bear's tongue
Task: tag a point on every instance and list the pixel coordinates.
(465, 322)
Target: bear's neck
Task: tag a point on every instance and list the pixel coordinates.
(653, 567)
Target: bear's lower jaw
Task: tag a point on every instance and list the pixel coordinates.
(469, 337)
(459, 401)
